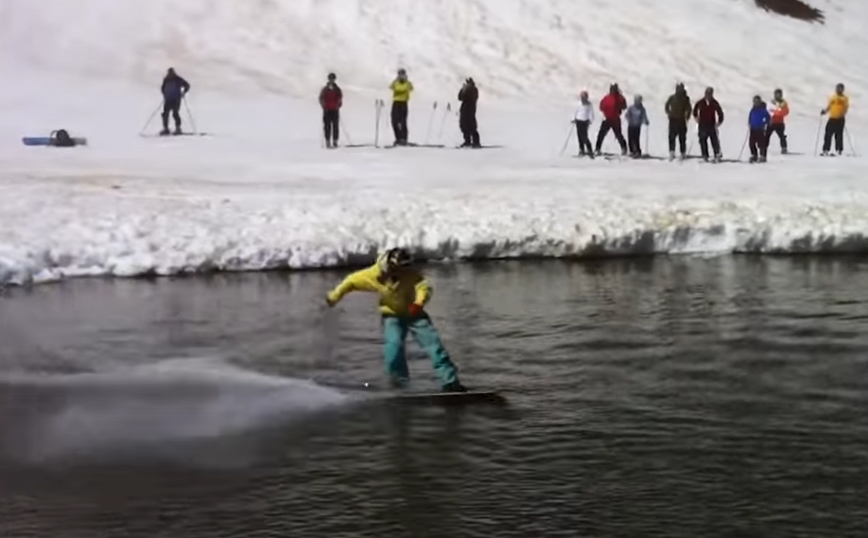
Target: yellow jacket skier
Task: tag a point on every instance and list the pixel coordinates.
(837, 109)
(401, 89)
(403, 293)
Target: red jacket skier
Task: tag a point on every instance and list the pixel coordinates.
(611, 106)
(331, 99)
(709, 116)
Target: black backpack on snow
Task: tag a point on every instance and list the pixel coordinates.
(62, 139)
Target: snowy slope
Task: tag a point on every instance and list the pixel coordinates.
(261, 193)
(532, 48)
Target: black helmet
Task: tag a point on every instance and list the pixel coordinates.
(394, 258)
(332, 76)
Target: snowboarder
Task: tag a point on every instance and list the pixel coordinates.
(331, 99)
(709, 116)
(678, 108)
(403, 292)
(174, 89)
(758, 121)
(636, 118)
(779, 111)
(583, 119)
(611, 106)
(401, 90)
(468, 95)
(837, 111)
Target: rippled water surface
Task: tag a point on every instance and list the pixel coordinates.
(674, 397)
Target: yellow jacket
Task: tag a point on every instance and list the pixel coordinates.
(395, 295)
(838, 105)
(401, 90)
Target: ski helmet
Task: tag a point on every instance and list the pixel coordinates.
(394, 258)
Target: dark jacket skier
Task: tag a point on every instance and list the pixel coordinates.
(709, 116)
(174, 88)
(469, 95)
(678, 109)
(331, 99)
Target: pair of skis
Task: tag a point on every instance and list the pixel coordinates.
(379, 105)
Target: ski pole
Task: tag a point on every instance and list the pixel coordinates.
(376, 123)
(430, 121)
(647, 143)
(346, 132)
(192, 121)
(817, 141)
(443, 121)
(567, 139)
(850, 141)
(150, 118)
(743, 144)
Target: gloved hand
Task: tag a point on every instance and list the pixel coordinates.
(414, 309)
(329, 301)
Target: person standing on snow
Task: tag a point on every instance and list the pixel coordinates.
(583, 119)
(678, 108)
(331, 99)
(401, 90)
(758, 121)
(779, 110)
(837, 110)
(403, 292)
(709, 116)
(636, 118)
(174, 89)
(468, 95)
(611, 106)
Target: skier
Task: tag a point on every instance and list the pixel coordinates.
(611, 106)
(678, 108)
(401, 90)
(636, 118)
(758, 120)
(331, 99)
(403, 292)
(174, 89)
(709, 116)
(779, 110)
(468, 95)
(837, 110)
(583, 119)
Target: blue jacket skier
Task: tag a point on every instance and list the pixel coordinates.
(637, 116)
(174, 89)
(758, 120)
(403, 292)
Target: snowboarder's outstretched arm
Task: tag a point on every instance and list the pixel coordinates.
(358, 281)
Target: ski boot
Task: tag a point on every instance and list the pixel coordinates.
(762, 158)
(455, 386)
(398, 383)
(783, 151)
(671, 155)
(164, 132)
(178, 131)
(718, 157)
(752, 159)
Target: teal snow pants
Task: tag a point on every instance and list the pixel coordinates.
(395, 333)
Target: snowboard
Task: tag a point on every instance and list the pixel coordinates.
(48, 141)
(448, 398)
